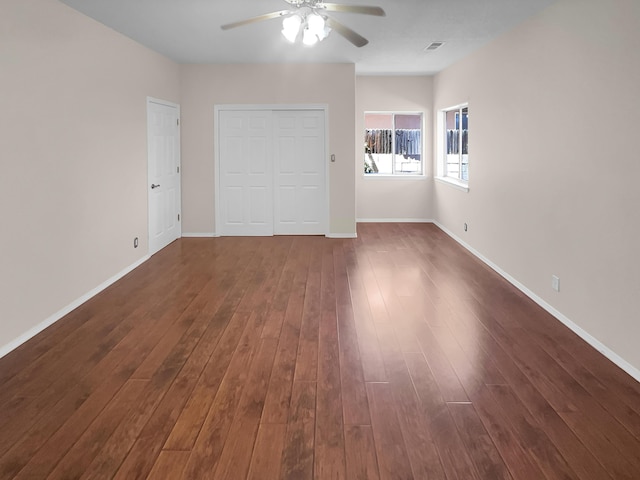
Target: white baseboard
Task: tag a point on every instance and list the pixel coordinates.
(342, 235)
(394, 220)
(213, 235)
(199, 235)
(32, 332)
(586, 336)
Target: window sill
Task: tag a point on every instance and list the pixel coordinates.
(454, 183)
(378, 176)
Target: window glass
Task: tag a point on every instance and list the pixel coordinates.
(393, 144)
(455, 163)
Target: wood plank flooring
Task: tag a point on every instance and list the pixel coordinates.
(396, 355)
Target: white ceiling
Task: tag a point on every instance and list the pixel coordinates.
(188, 31)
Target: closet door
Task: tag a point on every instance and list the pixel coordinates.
(246, 173)
(299, 172)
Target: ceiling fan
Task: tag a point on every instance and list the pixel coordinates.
(309, 16)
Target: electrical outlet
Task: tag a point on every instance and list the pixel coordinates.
(135, 242)
(465, 227)
(555, 283)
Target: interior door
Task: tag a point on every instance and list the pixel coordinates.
(163, 145)
(246, 173)
(299, 172)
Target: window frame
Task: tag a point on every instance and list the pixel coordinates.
(394, 173)
(442, 160)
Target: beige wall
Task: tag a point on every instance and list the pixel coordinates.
(394, 198)
(553, 109)
(73, 156)
(204, 86)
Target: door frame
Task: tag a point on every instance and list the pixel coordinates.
(159, 101)
(267, 107)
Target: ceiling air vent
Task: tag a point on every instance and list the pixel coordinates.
(433, 46)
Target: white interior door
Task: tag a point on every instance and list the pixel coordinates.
(246, 173)
(299, 172)
(163, 145)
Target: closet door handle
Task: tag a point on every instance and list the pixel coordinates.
(154, 186)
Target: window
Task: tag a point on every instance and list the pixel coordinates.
(454, 154)
(393, 144)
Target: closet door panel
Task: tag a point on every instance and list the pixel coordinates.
(313, 197)
(286, 206)
(235, 206)
(286, 154)
(299, 157)
(246, 173)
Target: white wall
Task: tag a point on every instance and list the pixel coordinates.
(553, 109)
(204, 86)
(384, 198)
(73, 157)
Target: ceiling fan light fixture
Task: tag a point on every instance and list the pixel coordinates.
(315, 23)
(308, 37)
(324, 34)
(290, 35)
(291, 27)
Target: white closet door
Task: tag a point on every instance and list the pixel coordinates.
(299, 172)
(246, 174)
(163, 140)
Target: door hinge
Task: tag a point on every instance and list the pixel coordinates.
(178, 217)
(178, 169)
(178, 121)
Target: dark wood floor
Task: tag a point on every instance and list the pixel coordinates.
(394, 356)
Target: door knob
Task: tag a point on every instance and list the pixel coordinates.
(154, 186)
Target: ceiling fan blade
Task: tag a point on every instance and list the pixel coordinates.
(337, 7)
(355, 38)
(259, 18)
